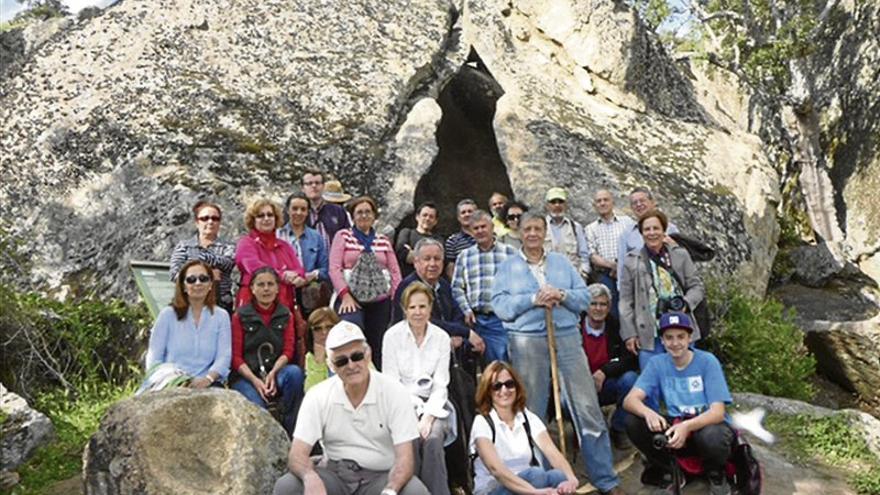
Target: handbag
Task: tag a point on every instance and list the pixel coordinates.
(315, 295)
(367, 280)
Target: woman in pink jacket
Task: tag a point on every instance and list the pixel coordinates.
(365, 274)
(261, 248)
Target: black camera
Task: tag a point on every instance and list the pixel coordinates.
(659, 441)
(674, 304)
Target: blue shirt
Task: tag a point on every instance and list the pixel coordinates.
(310, 249)
(689, 391)
(516, 286)
(195, 350)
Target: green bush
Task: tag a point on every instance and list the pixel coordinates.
(48, 343)
(758, 343)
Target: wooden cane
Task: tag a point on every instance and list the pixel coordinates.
(554, 375)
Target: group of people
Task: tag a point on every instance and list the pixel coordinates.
(371, 327)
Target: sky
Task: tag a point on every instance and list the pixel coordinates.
(8, 8)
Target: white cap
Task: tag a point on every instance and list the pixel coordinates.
(342, 333)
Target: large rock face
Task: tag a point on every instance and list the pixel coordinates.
(845, 68)
(185, 442)
(113, 128)
(22, 431)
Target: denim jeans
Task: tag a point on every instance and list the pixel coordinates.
(530, 355)
(489, 327)
(613, 392)
(536, 477)
(289, 382)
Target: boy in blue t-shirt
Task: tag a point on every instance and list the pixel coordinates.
(693, 387)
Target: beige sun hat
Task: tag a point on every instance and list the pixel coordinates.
(334, 193)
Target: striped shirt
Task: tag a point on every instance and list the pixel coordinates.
(602, 236)
(457, 243)
(344, 254)
(220, 255)
(475, 274)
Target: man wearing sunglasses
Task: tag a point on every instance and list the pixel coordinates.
(365, 423)
(564, 235)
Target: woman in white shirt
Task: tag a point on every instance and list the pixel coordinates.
(507, 462)
(416, 352)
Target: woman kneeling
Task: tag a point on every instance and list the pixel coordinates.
(262, 346)
(504, 437)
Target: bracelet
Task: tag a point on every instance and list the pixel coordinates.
(388, 491)
(208, 377)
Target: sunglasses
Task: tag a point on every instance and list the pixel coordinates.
(265, 215)
(509, 385)
(191, 279)
(514, 217)
(355, 357)
(213, 218)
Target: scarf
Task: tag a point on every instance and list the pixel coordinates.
(267, 239)
(366, 240)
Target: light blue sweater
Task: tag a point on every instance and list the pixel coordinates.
(196, 351)
(515, 286)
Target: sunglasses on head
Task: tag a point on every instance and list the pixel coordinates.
(191, 279)
(508, 384)
(355, 357)
(205, 218)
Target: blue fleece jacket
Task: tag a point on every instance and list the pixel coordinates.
(515, 286)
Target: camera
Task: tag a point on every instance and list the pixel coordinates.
(659, 441)
(674, 304)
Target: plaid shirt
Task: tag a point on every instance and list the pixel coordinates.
(475, 274)
(602, 236)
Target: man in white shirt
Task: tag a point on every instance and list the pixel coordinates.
(365, 423)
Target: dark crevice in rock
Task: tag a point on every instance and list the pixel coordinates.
(467, 164)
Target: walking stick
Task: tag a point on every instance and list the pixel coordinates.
(554, 375)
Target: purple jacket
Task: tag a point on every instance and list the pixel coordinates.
(329, 219)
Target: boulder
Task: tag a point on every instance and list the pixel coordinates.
(22, 432)
(185, 441)
(848, 352)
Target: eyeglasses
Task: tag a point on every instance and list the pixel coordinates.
(364, 213)
(202, 279)
(514, 216)
(313, 183)
(600, 304)
(355, 357)
(508, 384)
(556, 201)
(206, 218)
(264, 215)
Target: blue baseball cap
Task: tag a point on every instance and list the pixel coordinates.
(676, 320)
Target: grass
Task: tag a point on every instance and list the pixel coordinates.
(75, 421)
(832, 441)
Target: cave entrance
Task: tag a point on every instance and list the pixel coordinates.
(467, 164)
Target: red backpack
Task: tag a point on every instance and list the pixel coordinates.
(743, 469)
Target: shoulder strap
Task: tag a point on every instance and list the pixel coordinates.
(533, 461)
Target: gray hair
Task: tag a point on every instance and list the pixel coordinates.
(532, 215)
(465, 202)
(599, 290)
(479, 215)
(425, 242)
(642, 189)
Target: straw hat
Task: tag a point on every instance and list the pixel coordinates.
(333, 192)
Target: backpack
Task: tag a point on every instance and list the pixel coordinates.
(367, 280)
(744, 471)
(532, 462)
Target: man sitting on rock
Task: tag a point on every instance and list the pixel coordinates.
(365, 423)
(695, 392)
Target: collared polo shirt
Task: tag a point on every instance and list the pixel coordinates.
(366, 434)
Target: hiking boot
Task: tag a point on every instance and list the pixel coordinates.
(718, 485)
(620, 440)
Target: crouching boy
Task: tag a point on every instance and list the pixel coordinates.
(693, 387)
